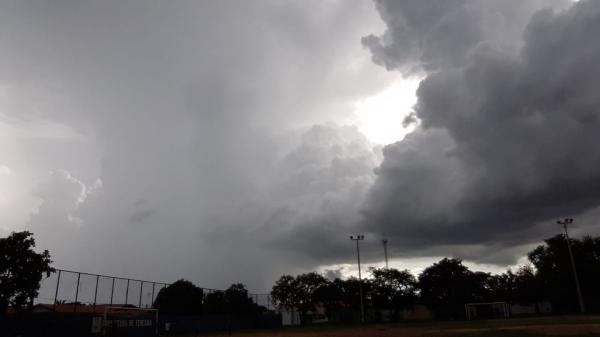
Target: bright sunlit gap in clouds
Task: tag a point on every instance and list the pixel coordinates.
(380, 116)
(415, 265)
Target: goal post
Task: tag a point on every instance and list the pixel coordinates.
(129, 321)
(487, 310)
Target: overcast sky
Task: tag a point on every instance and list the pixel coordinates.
(235, 141)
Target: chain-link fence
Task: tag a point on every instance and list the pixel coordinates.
(65, 287)
(263, 300)
(77, 291)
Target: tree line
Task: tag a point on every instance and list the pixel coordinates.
(447, 285)
(22, 269)
(185, 298)
(444, 287)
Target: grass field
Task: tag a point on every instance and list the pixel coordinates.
(517, 327)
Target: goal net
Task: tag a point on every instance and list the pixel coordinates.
(487, 310)
(126, 321)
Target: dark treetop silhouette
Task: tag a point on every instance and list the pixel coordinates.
(446, 286)
(21, 270)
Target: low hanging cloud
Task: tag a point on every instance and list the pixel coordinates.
(508, 137)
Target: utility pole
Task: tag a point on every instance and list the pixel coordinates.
(564, 223)
(358, 238)
(385, 241)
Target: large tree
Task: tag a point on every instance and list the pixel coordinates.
(307, 286)
(215, 303)
(238, 301)
(393, 289)
(447, 285)
(298, 293)
(351, 290)
(21, 270)
(555, 274)
(284, 292)
(180, 298)
(521, 286)
(331, 296)
(233, 301)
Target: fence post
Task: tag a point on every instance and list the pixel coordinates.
(112, 291)
(76, 293)
(127, 292)
(96, 292)
(152, 299)
(141, 288)
(56, 292)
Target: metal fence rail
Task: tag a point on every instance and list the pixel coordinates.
(81, 289)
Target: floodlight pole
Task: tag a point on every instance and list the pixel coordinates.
(358, 238)
(564, 223)
(385, 241)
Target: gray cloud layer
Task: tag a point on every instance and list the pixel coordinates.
(508, 136)
(190, 139)
(438, 34)
(187, 139)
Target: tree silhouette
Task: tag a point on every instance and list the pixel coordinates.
(215, 303)
(180, 298)
(238, 301)
(555, 275)
(298, 293)
(21, 270)
(447, 285)
(351, 289)
(393, 289)
(520, 287)
(331, 296)
(235, 300)
(284, 292)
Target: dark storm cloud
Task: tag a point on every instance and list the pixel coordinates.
(508, 138)
(439, 34)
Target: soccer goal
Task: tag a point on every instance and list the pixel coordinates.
(487, 310)
(126, 321)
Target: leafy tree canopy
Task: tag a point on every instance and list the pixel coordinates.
(448, 284)
(21, 270)
(299, 293)
(180, 298)
(393, 288)
(284, 292)
(554, 274)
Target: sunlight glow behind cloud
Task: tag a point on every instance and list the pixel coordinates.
(380, 116)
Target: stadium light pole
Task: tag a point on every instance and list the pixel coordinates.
(565, 223)
(385, 242)
(359, 238)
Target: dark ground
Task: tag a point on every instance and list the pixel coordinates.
(588, 326)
